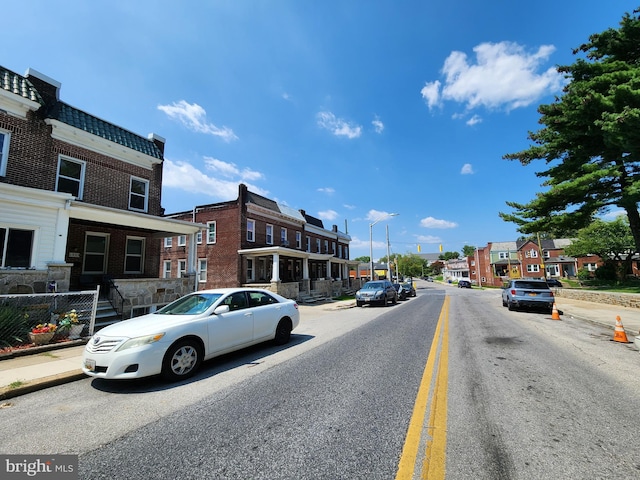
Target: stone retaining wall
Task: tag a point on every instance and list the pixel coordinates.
(631, 300)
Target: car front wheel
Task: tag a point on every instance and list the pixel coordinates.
(181, 360)
(283, 332)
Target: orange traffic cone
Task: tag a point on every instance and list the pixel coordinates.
(555, 315)
(619, 335)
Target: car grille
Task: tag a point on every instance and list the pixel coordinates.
(102, 345)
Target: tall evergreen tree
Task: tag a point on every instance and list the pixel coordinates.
(590, 140)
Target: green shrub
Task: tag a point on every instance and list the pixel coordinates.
(14, 326)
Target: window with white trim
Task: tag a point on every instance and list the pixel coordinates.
(269, 232)
(340, 251)
(503, 255)
(182, 240)
(211, 233)
(318, 245)
(533, 268)
(134, 255)
(308, 244)
(96, 247)
(592, 267)
(168, 242)
(166, 269)
(70, 176)
(5, 137)
(199, 237)
(16, 247)
(182, 268)
(283, 237)
(250, 269)
(298, 240)
(326, 246)
(251, 230)
(139, 194)
(532, 253)
(202, 270)
(333, 247)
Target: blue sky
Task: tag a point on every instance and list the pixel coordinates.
(349, 110)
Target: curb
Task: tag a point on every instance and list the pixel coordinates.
(42, 383)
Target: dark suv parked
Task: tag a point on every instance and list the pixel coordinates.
(378, 291)
(527, 293)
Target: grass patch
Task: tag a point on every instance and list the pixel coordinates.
(17, 384)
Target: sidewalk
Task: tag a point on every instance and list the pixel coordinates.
(46, 368)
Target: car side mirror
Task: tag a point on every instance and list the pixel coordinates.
(221, 309)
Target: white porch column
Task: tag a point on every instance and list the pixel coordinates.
(305, 268)
(329, 269)
(275, 269)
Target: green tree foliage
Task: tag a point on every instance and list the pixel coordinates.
(449, 255)
(365, 259)
(590, 140)
(412, 265)
(468, 251)
(611, 241)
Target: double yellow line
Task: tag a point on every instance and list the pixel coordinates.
(424, 449)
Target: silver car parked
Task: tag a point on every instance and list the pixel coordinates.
(527, 293)
(379, 292)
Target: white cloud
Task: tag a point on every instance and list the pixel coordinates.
(328, 215)
(349, 207)
(376, 215)
(193, 116)
(431, 93)
(430, 222)
(467, 169)
(327, 190)
(377, 125)
(231, 170)
(338, 126)
(474, 120)
(504, 75)
(428, 239)
(184, 176)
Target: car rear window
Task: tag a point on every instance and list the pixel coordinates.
(531, 285)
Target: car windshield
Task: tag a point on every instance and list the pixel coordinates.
(190, 304)
(373, 286)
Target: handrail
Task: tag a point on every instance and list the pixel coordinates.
(108, 280)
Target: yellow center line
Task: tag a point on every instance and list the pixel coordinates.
(433, 459)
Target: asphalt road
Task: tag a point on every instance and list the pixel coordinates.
(526, 397)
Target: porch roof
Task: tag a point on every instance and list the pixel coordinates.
(113, 216)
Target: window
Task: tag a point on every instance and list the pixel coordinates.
(283, 237)
(199, 237)
(96, 247)
(308, 244)
(249, 269)
(211, 232)
(533, 253)
(202, 270)
(182, 240)
(333, 247)
(318, 245)
(134, 255)
(182, 268)
(251, 230)
(4, 151)
(592, 267)
(166, 269)
(340, 251)
(326, 246)
(16, 246)
(168, 241)
(533, 268)
(298, 240)
(139, 194)
(269, 234)
(503, 255)
(545, 253)
(70, 176)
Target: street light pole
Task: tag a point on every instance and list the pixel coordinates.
(371, 241)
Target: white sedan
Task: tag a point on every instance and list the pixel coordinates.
(176, 339)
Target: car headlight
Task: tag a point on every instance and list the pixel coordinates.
(140, 341)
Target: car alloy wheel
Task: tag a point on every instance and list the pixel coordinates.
(181, 360)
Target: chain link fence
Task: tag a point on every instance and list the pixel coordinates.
(72, 313)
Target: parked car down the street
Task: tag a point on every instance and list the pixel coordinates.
(527, 293)
(176, 339)
(411, 292)
(379, 292)
(464, 284)
(402, 292)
